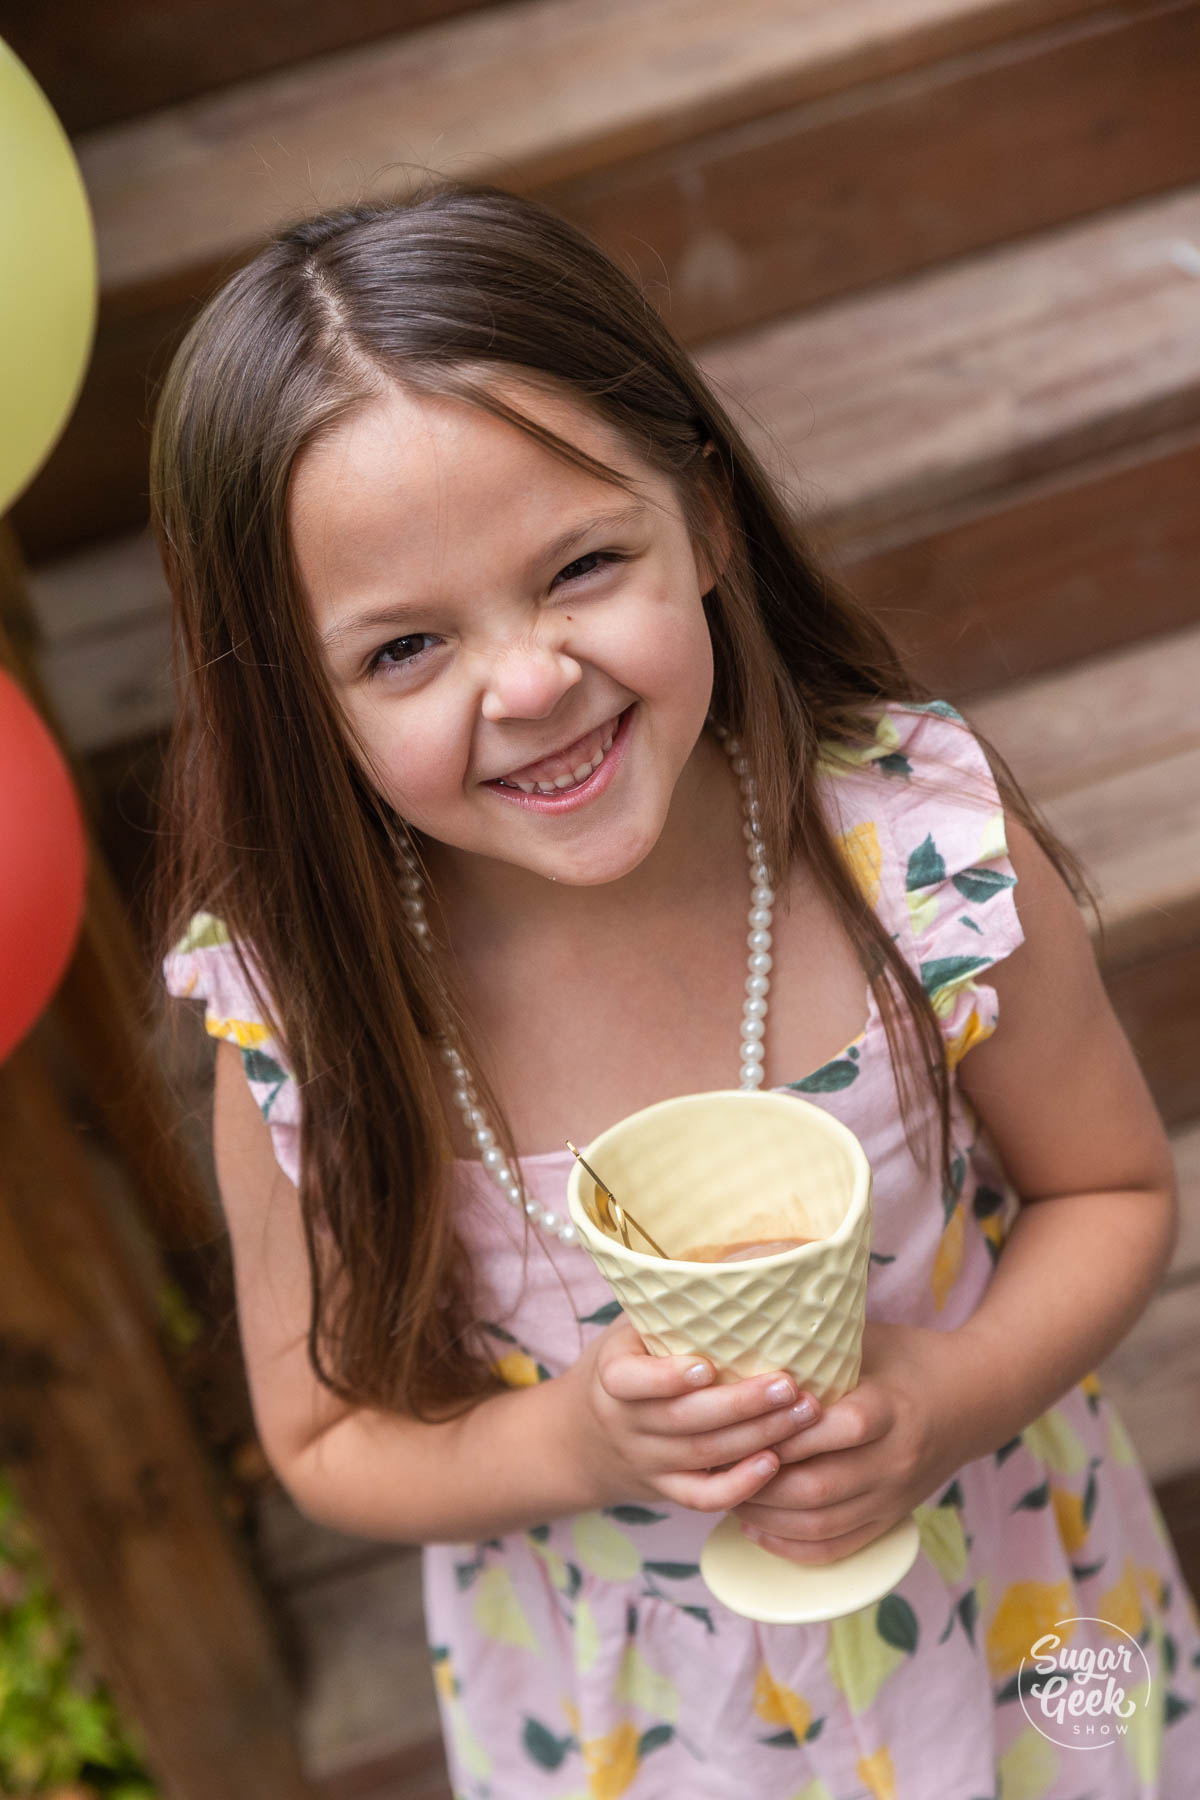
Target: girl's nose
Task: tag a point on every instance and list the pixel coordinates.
(527, 681)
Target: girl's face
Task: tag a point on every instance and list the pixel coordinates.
(482, 604)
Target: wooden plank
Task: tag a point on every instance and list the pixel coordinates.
(1100, 718)
(102, 1456)
(537, 91)
(1153, 1378)
(791, 209)
(1040, 574)
(966, 379)
(1156, 1002)
(97, 66)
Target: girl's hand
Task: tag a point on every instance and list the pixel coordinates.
(876, 1453)
(649, 1430)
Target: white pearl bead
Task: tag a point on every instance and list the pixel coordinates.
(414, 907)
(508, 1181)
(733, 746)
(533, 1209)
(550, 1220)
(462, 1098)
(755, 1009)
(760, 918)
(753, 1027)
(450, 1055)
(763, 896)
(493, 1157)
(757, 985)
(760, 962)
(567, 1234)
(474, 1118)
(751, 1051)
(751, 1074)
(485, 1137)
(759, 940)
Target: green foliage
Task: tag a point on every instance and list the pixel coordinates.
(60, 1735)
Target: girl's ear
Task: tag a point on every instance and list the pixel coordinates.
(718, 524)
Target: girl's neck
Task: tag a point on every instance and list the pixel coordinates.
(489, 907)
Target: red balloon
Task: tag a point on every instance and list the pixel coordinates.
(43, 865)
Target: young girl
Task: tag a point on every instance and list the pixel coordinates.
(528, 772)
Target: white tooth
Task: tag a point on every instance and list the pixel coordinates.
(584, 770)
(526, 787)
(562, 781)
(607, 744)
(543, 787)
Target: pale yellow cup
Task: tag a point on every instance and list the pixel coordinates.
(731, 1166)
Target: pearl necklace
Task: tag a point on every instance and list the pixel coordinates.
(754, 1011)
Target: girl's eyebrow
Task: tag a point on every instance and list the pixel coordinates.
(399, 612)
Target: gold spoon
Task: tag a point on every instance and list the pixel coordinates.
(612, 1214)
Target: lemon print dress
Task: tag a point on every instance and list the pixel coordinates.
(584, 1659)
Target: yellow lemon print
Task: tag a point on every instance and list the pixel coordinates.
(1091, 1384)
(948, 1261)
(247, 1034)
(1028, 1767)
(517, 1369)
(554, 1563)
(1068, 1511)
(778, 1705)
(637, 1684)
(943, 1540)
(1121, 1604)
(499, 1614)
(603, 1548)
(860, 847)
(1028, 1610)
(975, 1031)
(611, 1762)
(877, 1771)
(859, 1657)
(1054, 1439)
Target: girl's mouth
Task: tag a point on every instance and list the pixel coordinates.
(579, 793)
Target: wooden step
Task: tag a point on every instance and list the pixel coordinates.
(873, 138)
(368, 1711)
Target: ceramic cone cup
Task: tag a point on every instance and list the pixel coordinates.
(730, 1167)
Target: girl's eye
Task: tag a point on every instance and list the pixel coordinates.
(593, 556)
(391, 656)
(382, 656)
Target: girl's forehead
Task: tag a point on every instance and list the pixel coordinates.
(423, 475)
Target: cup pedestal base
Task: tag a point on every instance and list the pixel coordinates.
(756, 1584)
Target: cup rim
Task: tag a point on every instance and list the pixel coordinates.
(858, 1199)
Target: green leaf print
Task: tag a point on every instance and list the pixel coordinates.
(1089, 1498)
(1006, 1450)
(779, 1740)
(968, 1612)
(635, 1515)
(971, 924)
(542, 1747)
(829, 1079)
(705, 1617)
(1085, 1571)
(877, 1256)
(982, 885)
(605, 1316)
(987, 1201)
(926, 866)
(896, 1623)
(498, 1331)
(1170, 1653)
(943, 971)
(953, 1495)
(1035, 1499)
(895, 765)
(1175, 1708)
(943, 709)
(654, 1739)
(672, 1571)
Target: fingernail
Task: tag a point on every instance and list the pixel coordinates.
(699, 1374)
(804, 1410)
(755, 1537)
(781, 1390)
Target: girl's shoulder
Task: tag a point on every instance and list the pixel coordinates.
(206, 965)
(919, 817)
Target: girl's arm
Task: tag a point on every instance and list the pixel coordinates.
(619, 1425)
(1061, 1093)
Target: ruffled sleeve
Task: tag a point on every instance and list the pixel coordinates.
(931, 793)
(204, 966)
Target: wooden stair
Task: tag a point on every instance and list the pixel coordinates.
(942, 260)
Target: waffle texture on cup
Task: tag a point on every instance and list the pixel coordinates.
(701, 1169)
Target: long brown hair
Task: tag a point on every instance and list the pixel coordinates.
(270, 820)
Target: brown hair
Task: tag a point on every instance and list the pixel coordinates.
(435, 292)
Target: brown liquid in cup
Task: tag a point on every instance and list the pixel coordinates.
(742, 1252)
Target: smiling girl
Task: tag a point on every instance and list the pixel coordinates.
(528, 772)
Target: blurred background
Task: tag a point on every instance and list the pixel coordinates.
(942, 258)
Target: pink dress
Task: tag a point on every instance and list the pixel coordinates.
(584, 1658)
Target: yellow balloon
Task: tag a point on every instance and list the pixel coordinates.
(47, 278)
